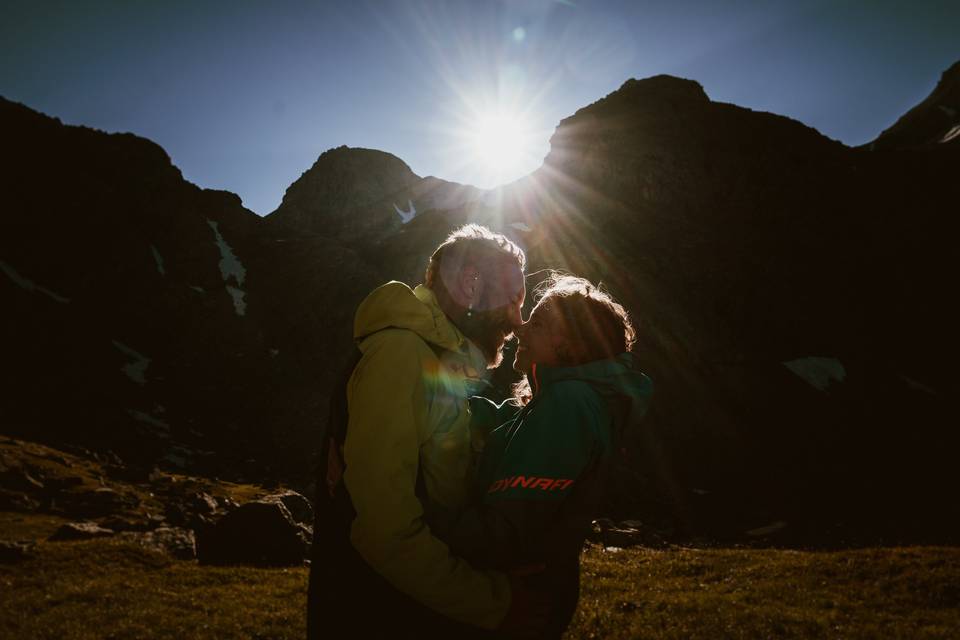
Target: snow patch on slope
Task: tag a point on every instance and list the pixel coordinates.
(230, 268)
(29, 285)
(819, 373)
(239, 304)
(159, 260)
(950, 135)
(919, 386)
(136, 370)
(408, 215)
(146, 418)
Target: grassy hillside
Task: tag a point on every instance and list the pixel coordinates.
(749, 593)
(108, 589)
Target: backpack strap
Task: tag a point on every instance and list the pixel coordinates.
(332, 464)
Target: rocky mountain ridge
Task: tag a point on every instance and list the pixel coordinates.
(934, 123)
(791, 294)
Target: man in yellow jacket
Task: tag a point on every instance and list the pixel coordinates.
(378, 570)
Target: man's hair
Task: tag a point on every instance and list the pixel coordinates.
(472, 245)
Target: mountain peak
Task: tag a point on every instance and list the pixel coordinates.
(343, 179)
(649, 93)
(663, 87)
(932, 123)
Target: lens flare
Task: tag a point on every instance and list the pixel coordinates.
(499, 141)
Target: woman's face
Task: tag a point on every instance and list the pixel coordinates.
(541, 339)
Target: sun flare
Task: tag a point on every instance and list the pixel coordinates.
(501, 143)
(499, 140)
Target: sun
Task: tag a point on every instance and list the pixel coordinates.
(488, 140)
(501, 143)
(498, 140)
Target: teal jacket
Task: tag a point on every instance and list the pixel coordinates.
(541, 475)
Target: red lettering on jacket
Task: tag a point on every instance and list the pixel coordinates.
(524, 481)
(532, 482)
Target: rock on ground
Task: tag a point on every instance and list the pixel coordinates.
(261, 532)
(80, 531)
(174, 541)
(297, 504)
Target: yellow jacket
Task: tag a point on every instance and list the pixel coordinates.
(407, 401)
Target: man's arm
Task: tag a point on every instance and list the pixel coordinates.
(387, 410)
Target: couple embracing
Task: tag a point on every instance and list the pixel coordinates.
(441, 514)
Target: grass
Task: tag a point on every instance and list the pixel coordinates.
(107, 589)
(28, 526)
(749, 593)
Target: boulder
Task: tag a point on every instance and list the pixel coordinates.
(297, 504)
(195, 510)
(17, 501)
(629, 533)
(15, 551)
(227, 503)
(174, 541)
(262, 532)
(203, 503)
(80, 531)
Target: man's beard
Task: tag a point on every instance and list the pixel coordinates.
(488, 330)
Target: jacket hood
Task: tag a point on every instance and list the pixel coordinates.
(612, 378)
(395, 305)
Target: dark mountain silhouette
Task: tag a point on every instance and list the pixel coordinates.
(934, 123)
(150, 316)
(344, 194)
(753, 249)
(792, 295)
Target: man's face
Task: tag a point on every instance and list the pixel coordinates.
(497, 313)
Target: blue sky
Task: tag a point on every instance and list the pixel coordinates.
(244, 95)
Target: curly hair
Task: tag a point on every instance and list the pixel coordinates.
(595, 323)
(590, 315)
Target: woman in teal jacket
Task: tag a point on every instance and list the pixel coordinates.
(546, 453)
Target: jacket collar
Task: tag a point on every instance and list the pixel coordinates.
(611, 376)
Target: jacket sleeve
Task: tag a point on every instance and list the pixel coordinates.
(543, 460)
(387, 404)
